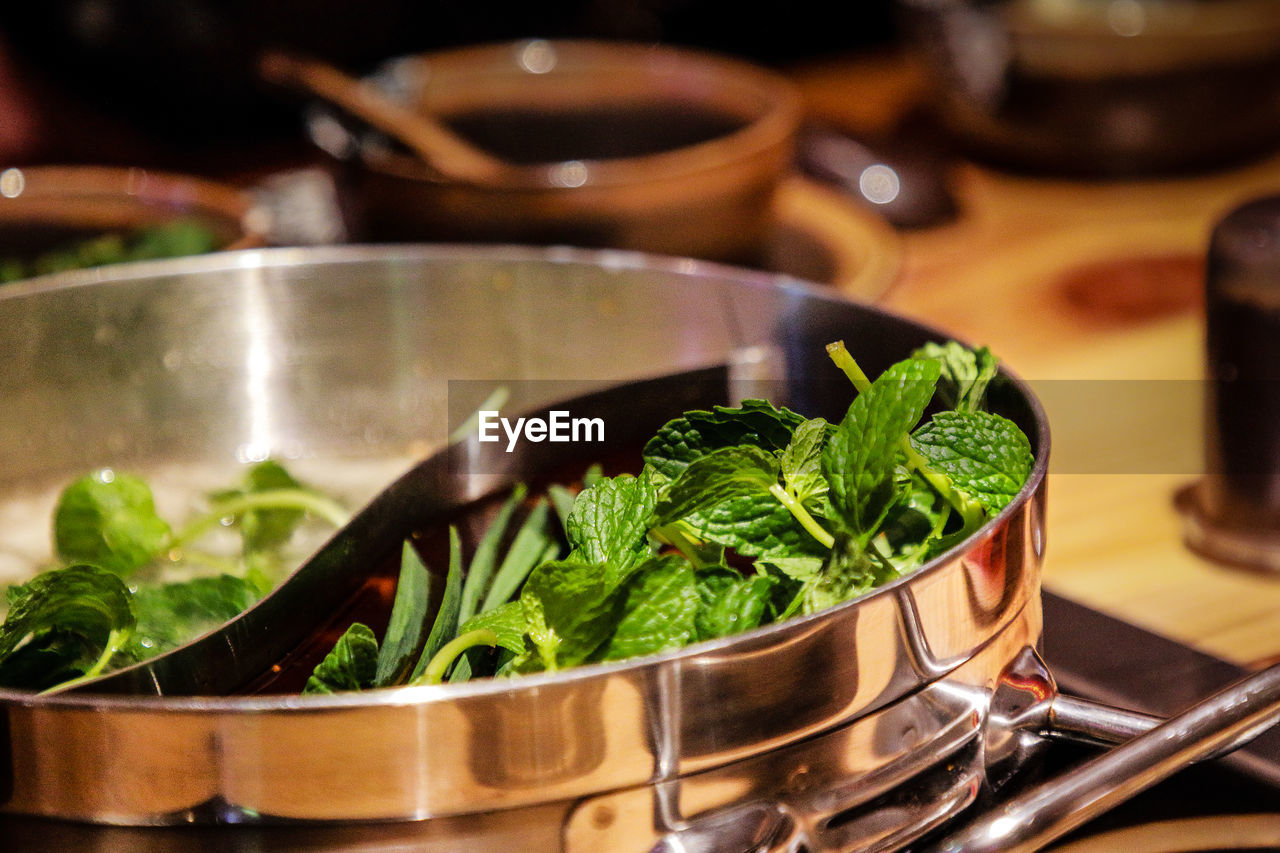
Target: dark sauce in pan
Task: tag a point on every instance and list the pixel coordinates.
(531, 135)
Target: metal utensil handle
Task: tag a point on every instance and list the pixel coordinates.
(1032, 820)
(1086, 721)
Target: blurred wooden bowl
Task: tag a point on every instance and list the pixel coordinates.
(47, 208)
(662, 150)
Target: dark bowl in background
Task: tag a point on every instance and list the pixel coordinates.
(1089, 88)
(663, 150)
(58, 210)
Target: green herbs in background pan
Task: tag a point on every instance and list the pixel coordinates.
(112, 600)
(175, 239)
(740, 517)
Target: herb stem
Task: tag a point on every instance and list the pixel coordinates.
(439, 664)
(115, 641)
(807, 521)
(192, 557)
(879, 557)
(843, 360)
(673, 534)
(299, 499)
(971, 512)
(935, 533)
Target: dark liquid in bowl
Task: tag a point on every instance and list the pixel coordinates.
(528, 135)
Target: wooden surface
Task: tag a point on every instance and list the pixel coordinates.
(1092, 291)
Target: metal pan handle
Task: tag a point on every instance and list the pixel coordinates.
(1215, 725)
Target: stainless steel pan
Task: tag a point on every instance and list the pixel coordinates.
(865, 727)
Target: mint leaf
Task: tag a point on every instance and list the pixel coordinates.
(261, 529)
(723, 474)
(848, 572)
(507, 621)
(509, 626)
(699, 432)
(754, 525)
(571, 607)
(916, 518)
(109, 519)
(983, 454)
(966, 373)
(861, 456)
(63, 624)
(352, 664)
(609, 523)
(802, 568)
(267, 509)
(172, 239)
(175, 613)
(801, 462)
(658, 608)
(730, 603)
(701, 552)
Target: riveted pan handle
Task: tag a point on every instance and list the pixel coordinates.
(1033, 819)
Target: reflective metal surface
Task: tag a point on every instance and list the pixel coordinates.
(269, 649)
(1033, 819)
(348, 353)
(875, 784)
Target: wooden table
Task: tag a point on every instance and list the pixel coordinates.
(1091, 290)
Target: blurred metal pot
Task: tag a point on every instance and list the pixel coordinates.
(864, 726)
